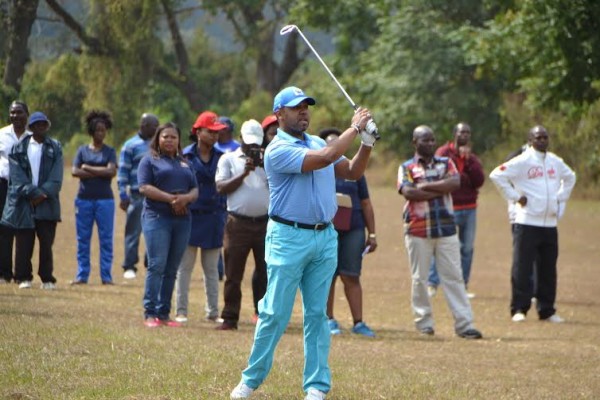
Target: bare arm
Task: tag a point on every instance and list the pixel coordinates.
(355, 168)
(80, 173)
(369, 216)
(154, 193)
(413, 193)
(317, 159)
(232, 184)
(108, 171)
(446, 185)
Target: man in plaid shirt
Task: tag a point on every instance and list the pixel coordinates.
(426, 181)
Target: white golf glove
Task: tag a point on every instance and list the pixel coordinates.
(367, 135)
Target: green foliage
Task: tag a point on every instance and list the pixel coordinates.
(549, 50)
(224, 79)
(55, 88)
(415, 73)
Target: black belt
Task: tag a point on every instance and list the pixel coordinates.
(316, 227)
(260, 218)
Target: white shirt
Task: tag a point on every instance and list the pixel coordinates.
(34, 153)
(251, 199)
(8, 139)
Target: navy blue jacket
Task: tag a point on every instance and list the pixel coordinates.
(18, 212)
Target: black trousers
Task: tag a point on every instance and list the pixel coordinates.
(539, 246)
(7, 236)
(25, 239)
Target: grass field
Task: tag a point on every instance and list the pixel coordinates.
(89, 342)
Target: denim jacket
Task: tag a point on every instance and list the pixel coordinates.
(19, 212)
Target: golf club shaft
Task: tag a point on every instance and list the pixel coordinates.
(326, 68)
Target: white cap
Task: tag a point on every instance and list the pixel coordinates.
(252, 132)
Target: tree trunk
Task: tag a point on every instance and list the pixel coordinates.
(184, 80)
(22, 17)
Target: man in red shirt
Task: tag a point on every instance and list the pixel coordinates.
(464, 199)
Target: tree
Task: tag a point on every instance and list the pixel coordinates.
(549, 50)
(256, 24)
(22, 14)
(416, 73)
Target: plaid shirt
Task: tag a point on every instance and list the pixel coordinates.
(429, 218)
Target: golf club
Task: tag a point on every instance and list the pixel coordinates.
(371, 127)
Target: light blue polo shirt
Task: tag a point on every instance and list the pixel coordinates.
(307, 197)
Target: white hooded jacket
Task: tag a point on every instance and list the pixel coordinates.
(543, 178)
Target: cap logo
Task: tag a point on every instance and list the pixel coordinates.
(298, 92)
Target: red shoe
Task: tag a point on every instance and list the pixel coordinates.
(170, 323)
(254, 319)
(152, 323)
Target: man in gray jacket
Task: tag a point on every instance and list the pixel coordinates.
(32, 205)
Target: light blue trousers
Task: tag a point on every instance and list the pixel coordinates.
(296, 258)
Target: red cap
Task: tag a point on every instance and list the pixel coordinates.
(208, 120)
(269, 119)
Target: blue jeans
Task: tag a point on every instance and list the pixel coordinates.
(466, 221)
(133, 230)
(295, 258)
(166, 240)
(102, 212)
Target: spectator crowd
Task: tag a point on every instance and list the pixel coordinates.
(292, 199)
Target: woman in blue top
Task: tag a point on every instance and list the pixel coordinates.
(95, 165)
(352, 246)
(208, 218)
(168, 185)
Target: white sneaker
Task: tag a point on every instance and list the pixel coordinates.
(431, 291)
(25, 285)
(518, 317)
(181, 318)
(241, 391)
(129, 274)
(48, 286)
(315, 394)
(555, 318)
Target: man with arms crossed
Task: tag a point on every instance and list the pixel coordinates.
(426, 182)
(301, 241)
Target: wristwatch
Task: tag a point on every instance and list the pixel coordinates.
(372, 236)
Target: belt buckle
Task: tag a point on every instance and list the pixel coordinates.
(319, 225)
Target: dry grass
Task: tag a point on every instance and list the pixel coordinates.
(89, 343)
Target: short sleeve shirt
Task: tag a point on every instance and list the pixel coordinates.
(432, 218)
(305, 197)
(171, 175)
(252, 197)
(95, 188)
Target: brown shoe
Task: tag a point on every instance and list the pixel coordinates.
(227, 326)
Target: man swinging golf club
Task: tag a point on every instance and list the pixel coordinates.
(301, 242)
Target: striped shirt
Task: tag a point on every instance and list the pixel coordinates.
(132, 152)
(429, 218)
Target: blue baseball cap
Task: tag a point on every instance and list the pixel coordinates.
(227, 121)
(291, 97)
(38, 116)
